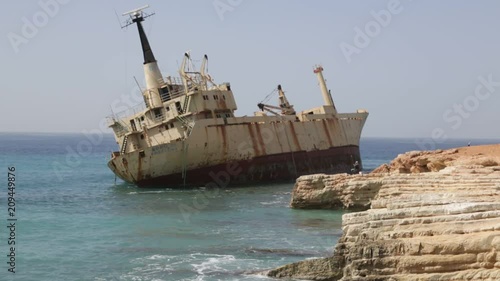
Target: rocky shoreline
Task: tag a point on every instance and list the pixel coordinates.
(425, 216)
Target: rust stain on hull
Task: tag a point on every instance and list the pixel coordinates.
(252, 138)
(327, 132)
(276, 135)
(294, 137)
(139, 167)
(223, 134)
(269, 168)
(259, 139)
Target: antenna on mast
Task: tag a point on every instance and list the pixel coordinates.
(136, 15)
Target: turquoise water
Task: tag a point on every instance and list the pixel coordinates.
(75, 223)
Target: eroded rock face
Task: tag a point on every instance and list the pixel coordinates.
(416, 226)
(353, 192)
(436, 160)
(335, 191)
(326, 269)
(434, 226)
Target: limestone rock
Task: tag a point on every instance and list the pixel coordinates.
(326, 269)
(436, 166)
(431, 226)
(438, 225)
(428, 226)
(433, 161)
(335, 191)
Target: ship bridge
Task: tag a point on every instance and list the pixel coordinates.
(172, 105)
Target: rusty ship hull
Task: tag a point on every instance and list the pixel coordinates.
(267, 169)
(187, 133)
(247, 149)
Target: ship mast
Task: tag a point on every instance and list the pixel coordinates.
(152, 73)
(327, 97)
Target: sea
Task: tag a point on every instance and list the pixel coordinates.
(73, 220)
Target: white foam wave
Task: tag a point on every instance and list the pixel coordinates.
(276, 202)
(148, 192)
(202, 265)
(215, 263)
(159, 257)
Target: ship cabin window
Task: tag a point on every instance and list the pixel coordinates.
(216, 97)
(171, 125)
(157, 113)
(178, 107)
(217, 115)
(205, 97)
(228, 115)
(167, 108)
(132, 124)
(165, 94)
(142, 118)
(142, 136)
(223, 97)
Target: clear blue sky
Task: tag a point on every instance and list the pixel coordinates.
(413, 71)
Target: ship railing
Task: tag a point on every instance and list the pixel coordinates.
(194, 83)
(194, 87)
(110, 120)
(173, 80)
(128, 112)
(351, 116)
(114, 121)
(165, 97)
(178, 93)
(120, 128)
(172, 95)
(159, 118)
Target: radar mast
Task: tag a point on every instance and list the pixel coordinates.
(152, 73)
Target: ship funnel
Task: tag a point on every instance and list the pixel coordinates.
(327, 97)
(151, 70)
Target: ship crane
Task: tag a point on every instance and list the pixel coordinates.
(285, 107)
